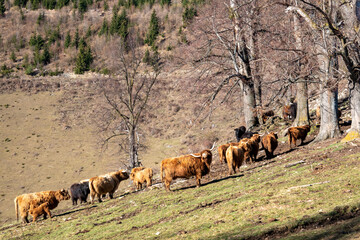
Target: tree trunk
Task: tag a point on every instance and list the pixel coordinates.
(249, 105)
(355, 112)
(242, 66)
(256, 65)
(133, 161)
(302, 110)
(329, 125)
(351, 58)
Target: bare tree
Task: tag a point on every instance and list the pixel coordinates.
(127, 94)
(302, 112)
(325, 47)
(342, 22)
(231, 47)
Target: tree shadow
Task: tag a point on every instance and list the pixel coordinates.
(210, 182)
(75, 210)
(335, 224)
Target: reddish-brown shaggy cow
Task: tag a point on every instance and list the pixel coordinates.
(23, 202)
(141, 175)
(235, 157)
(266, 115)
(296, 133)
(289, 111)
(253, 147)
(185, 166)
(222, 151)
(107, 183)
(35, 212)
(270, 143)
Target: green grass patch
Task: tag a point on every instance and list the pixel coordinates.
(272, 199)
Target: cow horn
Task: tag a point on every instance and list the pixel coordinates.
(195, 155)
(212, 146)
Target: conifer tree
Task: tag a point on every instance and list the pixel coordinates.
(67, 40)
(153, 31)
(104, 28)
(84, 58)
(76, 39)
(2, 8)
(123, 25)
(45, 58)
(83, 5)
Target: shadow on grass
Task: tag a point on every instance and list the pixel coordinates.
(338, 223)
(210, 182)
(75, 210)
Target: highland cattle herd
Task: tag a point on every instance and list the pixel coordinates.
(234, 154)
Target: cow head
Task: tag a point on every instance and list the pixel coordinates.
(206, 157)
(239, 132)
(62, 195)
(307, 128)
(122, 175)
(274, 135)
(256, 138)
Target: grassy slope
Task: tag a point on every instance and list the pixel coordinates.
(49, 141)
(265, 199)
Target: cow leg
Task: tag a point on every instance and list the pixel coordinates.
(167, 185)
(230, 168)
(99, 197)
(45, 215)
(198, 183)
(111, 195)
(148, 182)
(83, 199)
(47, 210)
(92, 197)
(74, 201)
(267, 153)
(198, 177)
(24, 219)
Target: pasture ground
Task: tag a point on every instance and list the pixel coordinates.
(48, 142)
(316, 199)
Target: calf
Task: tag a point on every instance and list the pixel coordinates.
(79, 191)
(23, 202)
(141, 175)
(296, 133)
(35, 212)
(270, 143)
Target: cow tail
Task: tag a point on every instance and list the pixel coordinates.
(92, 189)
(16, 208)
